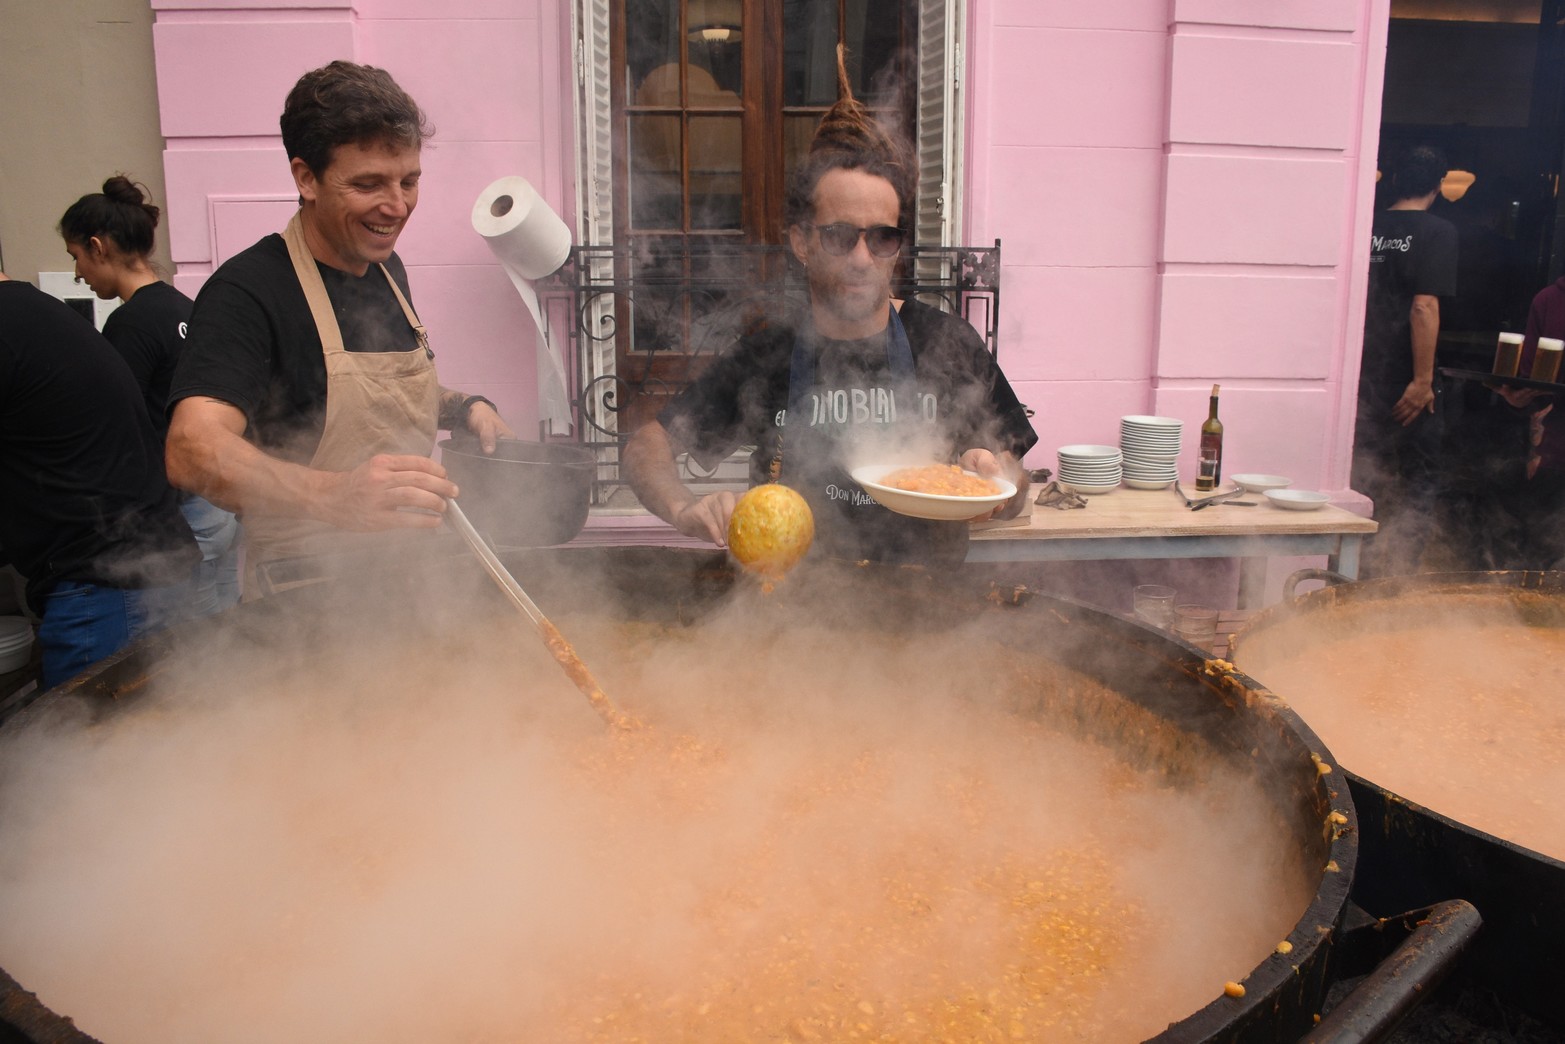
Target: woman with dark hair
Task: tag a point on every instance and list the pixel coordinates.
(109, 235)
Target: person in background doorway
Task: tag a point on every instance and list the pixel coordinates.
(1396, 442)
(109, 236)
(306, 400)
(1537, 502)
(857, 371)
(89, 517)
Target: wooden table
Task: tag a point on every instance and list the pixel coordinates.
(1131, 523)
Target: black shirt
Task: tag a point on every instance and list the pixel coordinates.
(253, 342)
(149, 331)
(81, 468)
(957, 399)
(742, 398)
(1412, 252)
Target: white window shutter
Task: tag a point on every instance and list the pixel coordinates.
(595, 171)
(594, 188)
(937, 211)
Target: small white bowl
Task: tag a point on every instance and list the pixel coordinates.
(1297, 499)
(1261, 483)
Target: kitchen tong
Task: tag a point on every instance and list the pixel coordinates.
(1219, 498)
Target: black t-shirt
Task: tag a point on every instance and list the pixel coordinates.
(149, 331)
(81, 468)
(962, 401)
(742, 398)
(253, 342)
(1411, 252)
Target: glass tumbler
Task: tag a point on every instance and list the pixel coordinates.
(1154, 604)
(1196, 624)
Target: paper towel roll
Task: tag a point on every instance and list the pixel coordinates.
(520, 227)
(531, 241)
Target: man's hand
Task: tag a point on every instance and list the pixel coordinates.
(1001, 465)
(648, 460)
(1423, 318)
(1418, 397)
(485, 423)
(208, 455)
(707, 518)
(1520, 398)
(388, 491)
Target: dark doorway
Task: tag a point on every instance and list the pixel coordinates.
(1484, 81)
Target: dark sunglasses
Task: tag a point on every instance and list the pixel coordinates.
(840, 238)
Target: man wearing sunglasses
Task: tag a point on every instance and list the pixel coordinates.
(858, 378)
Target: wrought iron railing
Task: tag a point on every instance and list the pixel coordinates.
(634, 327)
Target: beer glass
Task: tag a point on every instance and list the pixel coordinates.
(1546, 363)
(1508, 355)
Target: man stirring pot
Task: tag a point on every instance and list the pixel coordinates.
(306, 400)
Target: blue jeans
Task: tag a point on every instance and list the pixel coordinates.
(216, 585)
(82, 623)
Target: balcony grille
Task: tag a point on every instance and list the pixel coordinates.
(635, 326)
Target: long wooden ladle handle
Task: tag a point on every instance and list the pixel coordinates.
(552, 638)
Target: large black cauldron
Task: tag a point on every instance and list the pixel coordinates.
(1192, 700)
(1412, 856)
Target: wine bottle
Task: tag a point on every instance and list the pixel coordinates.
(1211, 474)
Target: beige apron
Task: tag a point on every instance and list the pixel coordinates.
(376, 402)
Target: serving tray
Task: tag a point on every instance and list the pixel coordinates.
(1494, 378)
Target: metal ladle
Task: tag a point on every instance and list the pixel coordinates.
(552, 638)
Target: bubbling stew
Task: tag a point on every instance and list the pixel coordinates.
(941, 479)
(1458, 705)
(819, 836)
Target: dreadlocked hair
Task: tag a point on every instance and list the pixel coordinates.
(849, 137)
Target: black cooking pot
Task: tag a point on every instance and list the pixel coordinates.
(527, 494)
(1413, 856)
(1187, 709)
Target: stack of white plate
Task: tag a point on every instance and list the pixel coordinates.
(1090, 469)
(16, 643)
(1150, 446)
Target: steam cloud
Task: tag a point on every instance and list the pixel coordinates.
(435, 840)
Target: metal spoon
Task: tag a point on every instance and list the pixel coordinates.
(552, 638)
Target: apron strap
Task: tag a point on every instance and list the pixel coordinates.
(309, 276)
(421, 335)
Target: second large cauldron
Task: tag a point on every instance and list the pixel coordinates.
(1416, 853)
(1186, 715)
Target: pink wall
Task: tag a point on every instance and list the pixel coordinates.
(1188, 204)
(489, 73)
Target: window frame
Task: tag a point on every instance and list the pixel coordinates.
(602, 322)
